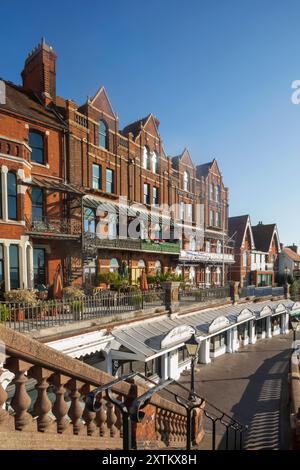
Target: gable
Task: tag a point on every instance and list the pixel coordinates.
(102, 103)
(151, 126)
(186, 158)
(215, 168)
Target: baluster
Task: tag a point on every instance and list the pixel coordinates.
(119, 423)
(21, 400)
(88, 416)
(60, 407)
(171, 427)
(3, 397)
(111, 419)
(182, 428)
(160, 425)
(42, 405)
(166, 426)
(101, 416)
(176, 427)
(76, 410)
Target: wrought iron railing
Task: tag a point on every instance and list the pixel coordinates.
(253, 291)
(92, 239)
(202, 295)
(43, 314)
(54, 225)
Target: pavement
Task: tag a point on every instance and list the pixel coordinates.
(251, 385)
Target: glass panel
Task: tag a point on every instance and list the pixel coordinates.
(90, 220)
(109, 181)
(96, 177)
(36, 142)
(39, 266)
(12, 195)
(37, 201)
(103, 134)
(14, 266)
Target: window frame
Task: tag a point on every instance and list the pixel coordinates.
(102, 135)
(97, 178)
(14, 268)
(155, 199)
(34, 147)
(45, 268)
(12, 196)
(110, 182)
(34, 188)
(146, 196)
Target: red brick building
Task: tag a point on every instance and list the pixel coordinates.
(256, 252)
(91, 197)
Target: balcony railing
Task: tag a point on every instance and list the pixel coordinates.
(92, 239)
(164, 247)
(54, 226)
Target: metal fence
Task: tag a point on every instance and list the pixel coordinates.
(202, 295)
(253, 291)
(43, 314)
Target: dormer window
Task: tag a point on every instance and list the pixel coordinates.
(103, 135)
(36, 142)
(186, 181)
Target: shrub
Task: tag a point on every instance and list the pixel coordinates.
(21, 296)
(4, 313)
(72, 292)
(76, 306)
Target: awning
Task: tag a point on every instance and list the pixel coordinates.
(53, 185)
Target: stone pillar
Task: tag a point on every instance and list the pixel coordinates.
(286, 290)
(173, 364)
(235, 345)
(171, 289)
(234, 291)
(204, 353)
(229, 341)
(164, 367)
(268, 327)
(252, 337)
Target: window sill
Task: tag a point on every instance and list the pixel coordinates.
(42, 165)
(12, 222)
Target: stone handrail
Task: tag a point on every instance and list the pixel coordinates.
(43, 420)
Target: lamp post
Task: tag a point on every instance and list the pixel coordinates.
(192, 346)
(295, 325)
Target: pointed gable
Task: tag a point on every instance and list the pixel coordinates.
(151, 125)
(186, 158)
(238, 228)
(102, 103)
(264, 235)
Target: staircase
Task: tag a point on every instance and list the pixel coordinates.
(76, 263)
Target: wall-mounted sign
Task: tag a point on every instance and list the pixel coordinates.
(178, 334)
(187, 194)
(244, 314)
(218, 323)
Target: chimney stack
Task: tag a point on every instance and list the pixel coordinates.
(39, 74)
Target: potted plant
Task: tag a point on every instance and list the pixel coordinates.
(21, 299)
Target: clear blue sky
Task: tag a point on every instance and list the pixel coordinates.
(217, 74)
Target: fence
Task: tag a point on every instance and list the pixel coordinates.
(253, 291)
(43, 314)
(202, 295)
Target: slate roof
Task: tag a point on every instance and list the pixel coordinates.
(202, 170)
(262, 235)
(135, 127)
(237, 226)
(28, 105)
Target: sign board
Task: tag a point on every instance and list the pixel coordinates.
(178, 334)
(218, 323)
(244, 314)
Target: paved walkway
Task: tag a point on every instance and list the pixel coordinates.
(251, 385)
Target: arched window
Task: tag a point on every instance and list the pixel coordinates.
(114, 265)
(207, 276)
(103, 135)
(157, 267)
(157, 232)
(141, 264)
(192, 244)
(192, 274)
(12, 195)
(147, 158)
(219, 246)
(186, 181)
(36, 143)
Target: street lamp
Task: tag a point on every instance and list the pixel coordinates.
(192, 346)
(295, 325)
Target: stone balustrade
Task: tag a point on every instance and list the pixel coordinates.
(38, 418)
